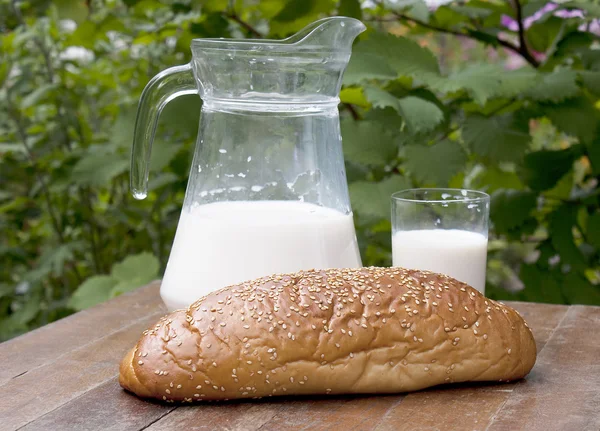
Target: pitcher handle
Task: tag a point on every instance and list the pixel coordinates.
(164, 87)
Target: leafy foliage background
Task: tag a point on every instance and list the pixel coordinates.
(495, 95)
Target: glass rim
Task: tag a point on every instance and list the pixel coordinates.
(471, 196)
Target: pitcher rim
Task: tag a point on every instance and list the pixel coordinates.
(290, 41)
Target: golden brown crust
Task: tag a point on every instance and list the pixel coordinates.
(367, 330)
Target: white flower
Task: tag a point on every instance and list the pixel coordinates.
(77, 53)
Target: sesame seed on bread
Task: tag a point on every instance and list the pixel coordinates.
(335, 331)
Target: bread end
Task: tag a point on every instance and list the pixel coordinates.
(128, 378)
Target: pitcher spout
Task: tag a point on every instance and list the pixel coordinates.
(328, 34)
(306, 67)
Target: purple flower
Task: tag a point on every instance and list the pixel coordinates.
(509, 23)
(575, 13)
(512, 25)
(593, 27)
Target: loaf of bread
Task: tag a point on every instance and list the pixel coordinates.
(337, 331)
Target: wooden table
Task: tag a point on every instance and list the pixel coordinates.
(64, 376)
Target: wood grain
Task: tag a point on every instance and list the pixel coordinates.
(31, 395)
(290, 414)
(563, 390)
(217, 417)
(106, 407)
(342, 413)
(46, 344)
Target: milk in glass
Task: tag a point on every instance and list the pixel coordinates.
(458, 253)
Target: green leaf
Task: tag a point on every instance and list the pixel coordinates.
(492, 178)
(373, 200)
(366, 66)
(92, 291)
(84, 35)
(112, 23)
(593, 153)
(402, 55)
(366, 143)
(215, 5)
(54, 259)
(121, 135)
(133, 272)
(419, 114)
(8, 147)
(497, 138)
(577, 117)
(485, 81)
(435, 164)
(447, 17)
(37, 96)
(556, 86)
(541, 285)
(561, 226)
(388, 119)
(266, 8)
(17, 204)
(76, 10)
(511, 209)
(29, 310)
(473, 12)
(417, 9)
(354, 96)
(563, 188)
(543, 169)
(297, 14)
(542, 34)
(574, 44)
(99, 169)
(593, 229)
(162, 180)
(295, 9)
(163, 152)
(145, 8)
(144, 39)
(5, 68)
(350, 8)
(9, 328)
(530, 7)
(180, 117)
(579, 290)
(134, 265)
(591, 7)
(591, 80)
(482, 36)
(211, 25)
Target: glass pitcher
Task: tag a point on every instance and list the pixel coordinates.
(267, 191)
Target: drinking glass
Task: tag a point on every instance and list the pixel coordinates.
(442, 230)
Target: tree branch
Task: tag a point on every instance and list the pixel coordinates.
(501, 107)
(504, 43)
(234, 17)
(523, 50)
(352, 111)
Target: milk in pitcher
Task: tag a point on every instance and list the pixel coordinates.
(224, 243)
